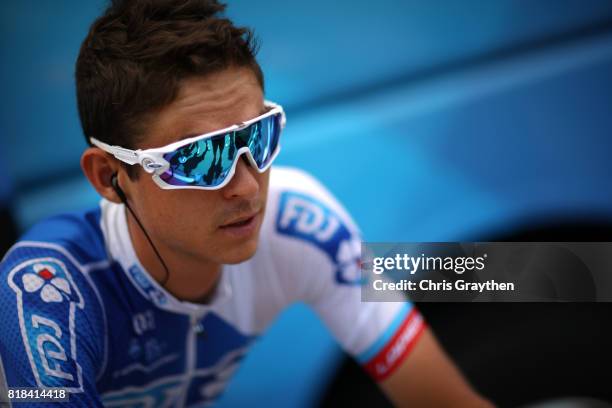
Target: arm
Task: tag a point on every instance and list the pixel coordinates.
(51, 336)
(389, 339)
(428, 378)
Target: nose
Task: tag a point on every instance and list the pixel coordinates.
(244, 183)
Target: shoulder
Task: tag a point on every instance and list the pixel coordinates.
(60, 248)
(302, 205)
(45, 274)
(309, 225)
(48, 266)
(48, 306)
(39, 275)
(293, 182)
(50, 262)
(78, 233)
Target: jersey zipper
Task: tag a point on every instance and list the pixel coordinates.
(194, 329)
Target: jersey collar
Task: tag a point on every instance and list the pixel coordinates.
(120, 248)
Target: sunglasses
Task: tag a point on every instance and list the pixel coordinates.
(208, 161)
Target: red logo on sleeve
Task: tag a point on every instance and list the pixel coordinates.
(396, 350)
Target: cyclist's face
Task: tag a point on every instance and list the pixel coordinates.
(199, 223)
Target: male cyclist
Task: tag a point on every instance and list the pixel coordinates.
(154, 297)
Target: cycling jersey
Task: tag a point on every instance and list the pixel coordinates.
(79, 311)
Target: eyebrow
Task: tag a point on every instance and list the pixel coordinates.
(264, 110)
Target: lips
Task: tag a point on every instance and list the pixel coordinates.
(241, 228)
(240, 221)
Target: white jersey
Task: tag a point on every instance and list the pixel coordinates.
(82, 312)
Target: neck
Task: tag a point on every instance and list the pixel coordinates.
(188, 278)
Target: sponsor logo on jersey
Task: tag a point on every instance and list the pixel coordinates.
(47, 299)
(143, 322)
(146, 287)
(308, 219)
(397, 348)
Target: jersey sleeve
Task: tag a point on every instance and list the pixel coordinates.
(52, 324)
(320, 265)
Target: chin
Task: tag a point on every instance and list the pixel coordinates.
(241, 252)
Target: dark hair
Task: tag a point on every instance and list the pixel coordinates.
(135, 55)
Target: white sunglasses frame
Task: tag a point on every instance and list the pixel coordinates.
(153, 162)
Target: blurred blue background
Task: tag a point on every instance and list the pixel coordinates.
(430, 121)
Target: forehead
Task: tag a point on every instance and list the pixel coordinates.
(204, 104)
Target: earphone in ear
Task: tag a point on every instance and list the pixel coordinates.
(118, 190)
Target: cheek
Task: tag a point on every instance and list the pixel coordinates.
(264, 181)
(190, 212)
(178, 213)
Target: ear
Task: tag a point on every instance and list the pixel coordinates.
(99, 168)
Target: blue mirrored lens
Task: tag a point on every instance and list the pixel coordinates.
(208, 162)
(264, 140)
